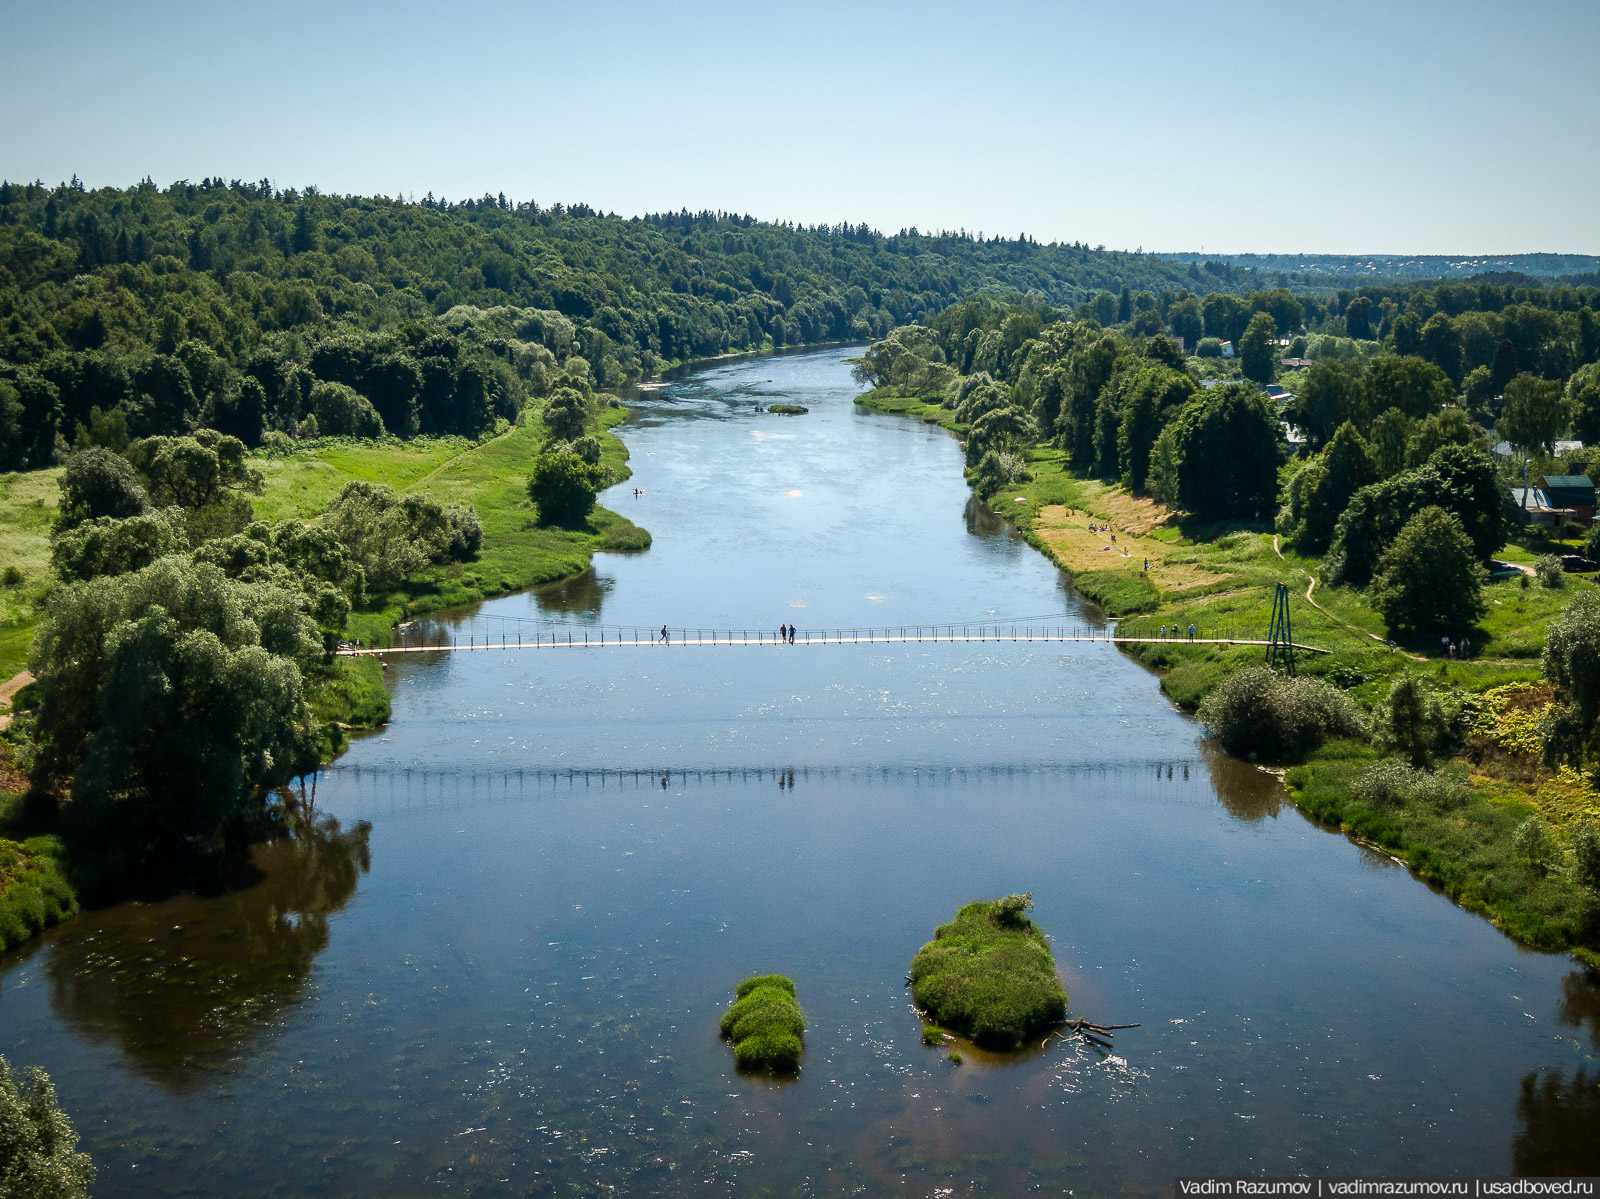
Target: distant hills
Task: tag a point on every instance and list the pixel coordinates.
(1343, 267)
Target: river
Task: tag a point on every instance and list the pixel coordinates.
(497, 966)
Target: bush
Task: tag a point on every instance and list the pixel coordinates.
(1392, 784)
(1585, 843)
(765, 1024)
(1414, 721)
(1547, 569)
(997, 469)
(33, 894)
(37, 1143)
(466, 532)
(1260, 712)
(1591, 544)
(12, 577)
(1536, 845)
(989, 974)
(1209, 347)
(564, 487)
(932, 1034)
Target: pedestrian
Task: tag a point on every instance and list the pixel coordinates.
(1466, 646)
(1191, 630)
(1451, 652)
(1163, 630)
(664, 636)
(791, 634)
(1445, 643)
(783, 632)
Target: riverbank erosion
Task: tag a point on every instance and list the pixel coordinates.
(1158, 570)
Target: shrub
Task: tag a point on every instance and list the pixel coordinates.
(1585, 843)
(466, 532)
(564, 487)
(932, 1034)
(1209, 347)
(989, 974)
(997, 469)
(1547, 569)
(37, 1143)
(33, 895)
(12, 577)
(1413, 720)
(1591, 544)
(765, 1024)
(1260, 712)
(1392, 784)
(1536, 845)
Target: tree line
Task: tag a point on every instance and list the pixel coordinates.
(252, 310)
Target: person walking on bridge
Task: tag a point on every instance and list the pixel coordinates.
(783, 632)
(664, 636)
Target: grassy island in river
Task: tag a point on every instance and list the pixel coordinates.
(765, 1025)
(989, 974)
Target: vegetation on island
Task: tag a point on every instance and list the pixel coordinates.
(765, 1025)
(33, 893)
(788, 409)
(38, 1147)
(1362, 448)
(989, 975)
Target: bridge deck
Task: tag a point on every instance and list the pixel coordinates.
(578, 640)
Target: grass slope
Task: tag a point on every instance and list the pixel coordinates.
(989, 975)
(491, 476)
(27, 508)
(765, 1024)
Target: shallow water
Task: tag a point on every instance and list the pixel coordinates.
(509, 983)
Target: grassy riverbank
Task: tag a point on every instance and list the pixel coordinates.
(491, 476)
(1222, 579)
(350, 695)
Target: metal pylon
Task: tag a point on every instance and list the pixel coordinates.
(1281, 650)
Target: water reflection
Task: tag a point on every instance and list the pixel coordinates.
(582, 595)
(1247, 791)
(183, 985)
(1559, 1119)
(1579, 1006)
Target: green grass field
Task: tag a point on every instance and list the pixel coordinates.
(27, 507)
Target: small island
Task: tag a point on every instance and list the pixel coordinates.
(989, 974)
(765, 1025)
(788, 409)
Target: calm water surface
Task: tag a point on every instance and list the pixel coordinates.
(497, 964)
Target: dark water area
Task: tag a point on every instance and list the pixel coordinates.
(497, 966)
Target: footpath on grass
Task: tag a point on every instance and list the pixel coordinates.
(1150, 567)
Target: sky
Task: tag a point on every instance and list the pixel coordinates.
(1401, 127)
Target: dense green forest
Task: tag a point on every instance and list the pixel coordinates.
(253, 310)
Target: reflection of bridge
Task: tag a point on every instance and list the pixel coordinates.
(602, 636)
(400, 787)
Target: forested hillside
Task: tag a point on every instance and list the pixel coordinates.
(227, 304)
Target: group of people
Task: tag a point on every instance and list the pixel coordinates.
(1176, 630)
(785, 633)
(1456, 649)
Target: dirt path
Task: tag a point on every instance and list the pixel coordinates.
(9, 688)
(1312, 586)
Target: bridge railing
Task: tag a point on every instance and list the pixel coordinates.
(517, 633)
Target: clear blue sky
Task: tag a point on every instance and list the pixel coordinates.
(1353, 127)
